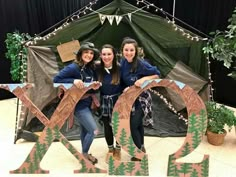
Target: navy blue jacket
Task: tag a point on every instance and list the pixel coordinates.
(73, 71)
(143, 69)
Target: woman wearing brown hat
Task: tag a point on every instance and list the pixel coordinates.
(79, 72)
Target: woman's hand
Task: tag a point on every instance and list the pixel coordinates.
(139, 82)
(78, 83)
(96, 85)
(126, 89)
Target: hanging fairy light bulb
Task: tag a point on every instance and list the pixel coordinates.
(170, 106)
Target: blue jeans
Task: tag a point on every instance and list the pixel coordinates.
(87, 126)
(136, 127)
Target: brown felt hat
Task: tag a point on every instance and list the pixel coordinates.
(88, 46)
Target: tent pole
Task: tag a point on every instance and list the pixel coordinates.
(173, 12)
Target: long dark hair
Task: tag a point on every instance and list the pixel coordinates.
(115, 71)
(136, 58)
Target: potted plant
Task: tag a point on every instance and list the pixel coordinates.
(219, 116)
(222, 47)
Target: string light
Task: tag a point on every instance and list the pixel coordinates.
(23, 67)
(83, 11)
(175, 27)
(209, 78)
(75, 16)
(170, 106)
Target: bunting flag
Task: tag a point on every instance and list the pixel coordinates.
(110, 18)
(118, 19)
(102, 18)
(129, 15)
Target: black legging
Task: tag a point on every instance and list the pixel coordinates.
(136, 127)
(108, 131)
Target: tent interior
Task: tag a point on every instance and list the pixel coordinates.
(177, 52)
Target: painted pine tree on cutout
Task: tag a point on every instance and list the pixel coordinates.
(115, 123)
(72, 149)
(43, 148)
(57, 133)
(205, 168)
(38, 149)
(138, 173)
(203, 121)
(123, 137)
(64, 142)
(49, 136)
(185, 168)
(194, 127)
(130, 167)
(196, 139)
(24, 171)
(192, 123)
(83, 168)
(36, 161)
(111, 166)
(172, 170)
(194, 173)
(121, 169)
(186, 149)
(131, 146)
(144, 166)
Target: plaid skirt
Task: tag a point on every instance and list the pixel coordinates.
(145, 100)
(107, 104)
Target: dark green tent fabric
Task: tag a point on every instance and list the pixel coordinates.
(154, 34)
(177, 57)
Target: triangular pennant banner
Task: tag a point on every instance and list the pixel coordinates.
(110, 18)
(129, 15)
(118, 19)
(102, 18)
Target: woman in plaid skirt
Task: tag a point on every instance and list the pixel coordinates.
(109, 76)
(135, 71)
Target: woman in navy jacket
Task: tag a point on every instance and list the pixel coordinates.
(109, 75)
(134, 71)
(80, 71)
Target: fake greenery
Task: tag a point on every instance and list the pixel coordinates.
(17, 53)
(222, 46)
(219, 116)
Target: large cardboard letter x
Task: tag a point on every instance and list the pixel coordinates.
(52, 129)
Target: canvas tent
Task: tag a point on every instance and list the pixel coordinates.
(177, 57)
